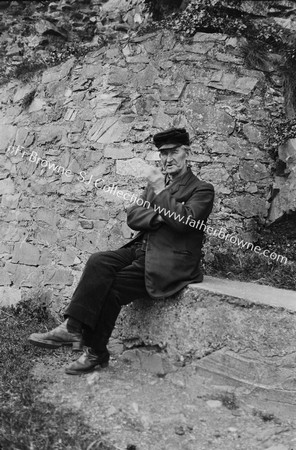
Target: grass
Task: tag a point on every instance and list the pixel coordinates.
(255, 54)
(26, 70)
(26, 423)
(266, 416)
(229, 400)
(230, 261)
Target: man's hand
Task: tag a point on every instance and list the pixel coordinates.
(159, 218)
(156, 179)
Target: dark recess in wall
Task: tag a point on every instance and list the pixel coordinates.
(162, 7)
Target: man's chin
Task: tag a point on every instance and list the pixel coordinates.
(172, 171)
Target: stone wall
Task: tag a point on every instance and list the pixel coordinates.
(90, 121)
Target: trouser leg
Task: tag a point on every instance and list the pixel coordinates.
(95, 284)
(129, 285)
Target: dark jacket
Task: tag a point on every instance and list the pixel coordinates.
(173, 249)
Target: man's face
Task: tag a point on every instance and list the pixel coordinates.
(174, 160)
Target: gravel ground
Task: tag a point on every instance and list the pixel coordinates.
(138, 410)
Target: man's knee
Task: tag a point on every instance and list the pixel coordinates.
(97, 258)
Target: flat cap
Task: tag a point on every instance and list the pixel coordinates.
(172, 138)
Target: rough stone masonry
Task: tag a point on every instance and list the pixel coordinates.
(93, 117)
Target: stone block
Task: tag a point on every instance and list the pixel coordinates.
(118, 76)
(123, 151)
(11, 233)
(86, 242)
(104, 241)
(86, 224)
(200, 158)
(106, 105)
(9, 296)
(221, 147)
(5, 279)
(96, 213)
(152, 156)
(152, 362)
(25, 253)
(49, 134)
(7, 186)
(230, 82)
(210, 173)
(202, 48)
(45, 258)
(46, 236)
(21, 136)
(108, 130)
(250, 171)
(47, 216)
(131, 356)
(137, 59)
(209, 118)
(93, 70)
(69, 258)
(58, 277)
(287, 153)
(7, 133)
(36, 105)
(135, 167)
(21, 92)
(253, 134)
(24, 276)
(66, 67)
(198, 91)
(209, 37)
(162, 120)
(146, 77)
(58, 73)
(50, 76)
(248, 205)
(172, 92)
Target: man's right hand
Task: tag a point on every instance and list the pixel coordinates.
(155, 179)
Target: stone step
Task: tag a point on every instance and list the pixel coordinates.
(240, 337)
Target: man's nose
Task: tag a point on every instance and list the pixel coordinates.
(169, 157)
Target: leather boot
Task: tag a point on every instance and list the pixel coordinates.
(88, 362)
(57, 337)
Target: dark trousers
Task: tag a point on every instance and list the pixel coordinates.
(110, 279)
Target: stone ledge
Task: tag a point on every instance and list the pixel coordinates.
(238, 336)
(219, 308)
(252, 292)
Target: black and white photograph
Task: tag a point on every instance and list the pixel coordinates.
(148, 225)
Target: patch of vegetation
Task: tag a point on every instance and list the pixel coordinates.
(288, 71)
(27, 69)
(229, 400)
(265, 416)
(245, 265)
(159, 9)
(26, 422)
(28, 98)
(255, 54)
(277, 133)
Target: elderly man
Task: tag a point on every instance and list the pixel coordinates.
(162, 258)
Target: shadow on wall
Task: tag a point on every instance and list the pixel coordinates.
(160, 8)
